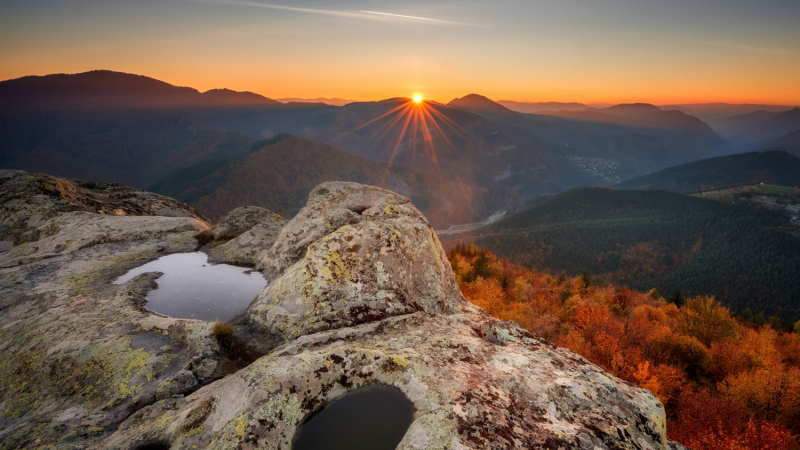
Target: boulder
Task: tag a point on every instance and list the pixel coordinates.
(242, 219)
(357, 245)
(244, 235)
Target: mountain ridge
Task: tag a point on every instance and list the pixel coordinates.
(770, 167)
(105, 89)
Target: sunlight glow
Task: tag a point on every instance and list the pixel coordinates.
(416, 124)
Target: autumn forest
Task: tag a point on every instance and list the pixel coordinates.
(726, 383)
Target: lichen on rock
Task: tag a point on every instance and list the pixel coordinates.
(358, 272)
(244, 235)
(360, 293)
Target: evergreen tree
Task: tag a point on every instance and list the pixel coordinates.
(678, 299)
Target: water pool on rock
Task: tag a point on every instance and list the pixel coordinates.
(192, 288)
(374, 417)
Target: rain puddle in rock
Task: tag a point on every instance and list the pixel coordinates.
(374, 417)
(192, 288)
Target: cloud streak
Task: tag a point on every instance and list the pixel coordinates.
(363, 15)
(422, 18)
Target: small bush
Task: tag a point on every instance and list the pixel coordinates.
(204, 237)
(223, 333)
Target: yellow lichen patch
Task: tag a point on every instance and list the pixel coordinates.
(434, 247)
(336, 268)
(134, 367)
(391, 209)
(242, 426)
(400, 360)
(163, 421)
(196, 430)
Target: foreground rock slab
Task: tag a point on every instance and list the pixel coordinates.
(476, 383)
(78, 354)
(360, 293)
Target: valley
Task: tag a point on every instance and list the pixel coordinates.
(746, 257)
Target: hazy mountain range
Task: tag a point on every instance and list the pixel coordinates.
(770, 167)
(110, 126)
(759, 127)
(328, 101)
(135, 130)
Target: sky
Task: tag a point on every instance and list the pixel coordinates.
(614, 51)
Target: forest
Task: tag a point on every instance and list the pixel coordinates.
(747, 258)
(726, 383)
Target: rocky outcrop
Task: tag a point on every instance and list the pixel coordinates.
(346, 258)
(28, 201)
(78, 354)
(360, 293)
(244, 235)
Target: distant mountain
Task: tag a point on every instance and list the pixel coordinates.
(642, 115)
(481, 105)
(756, 128)
(526, 107)
(130, 148)
(454, 143)
(328, 101)
(614, 143)
(279, 173)
(129, 129)
(789, 143)
(103, 89)
(649, 239)
(708, 112)
(772, 167)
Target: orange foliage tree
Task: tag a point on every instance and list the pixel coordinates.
(726, 384)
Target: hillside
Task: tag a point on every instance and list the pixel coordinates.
(753, 129)
(649, 239)
(361, 295)
(789, 143)
(278, 174)
(701, 362)
(772, 167)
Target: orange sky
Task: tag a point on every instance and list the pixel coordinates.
(606, 51)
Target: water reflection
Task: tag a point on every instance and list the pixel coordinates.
(191, 288)
(374, 417)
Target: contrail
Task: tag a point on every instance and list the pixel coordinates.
(327, 12)
(422, 18)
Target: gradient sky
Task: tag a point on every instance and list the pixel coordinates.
(658, 51)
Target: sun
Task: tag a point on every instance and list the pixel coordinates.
(417, 98)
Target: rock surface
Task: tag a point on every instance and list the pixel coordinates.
(365, 254)
(28, 201)
(78, 354)
(360, 293)
(244, 235)
(242, 219)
